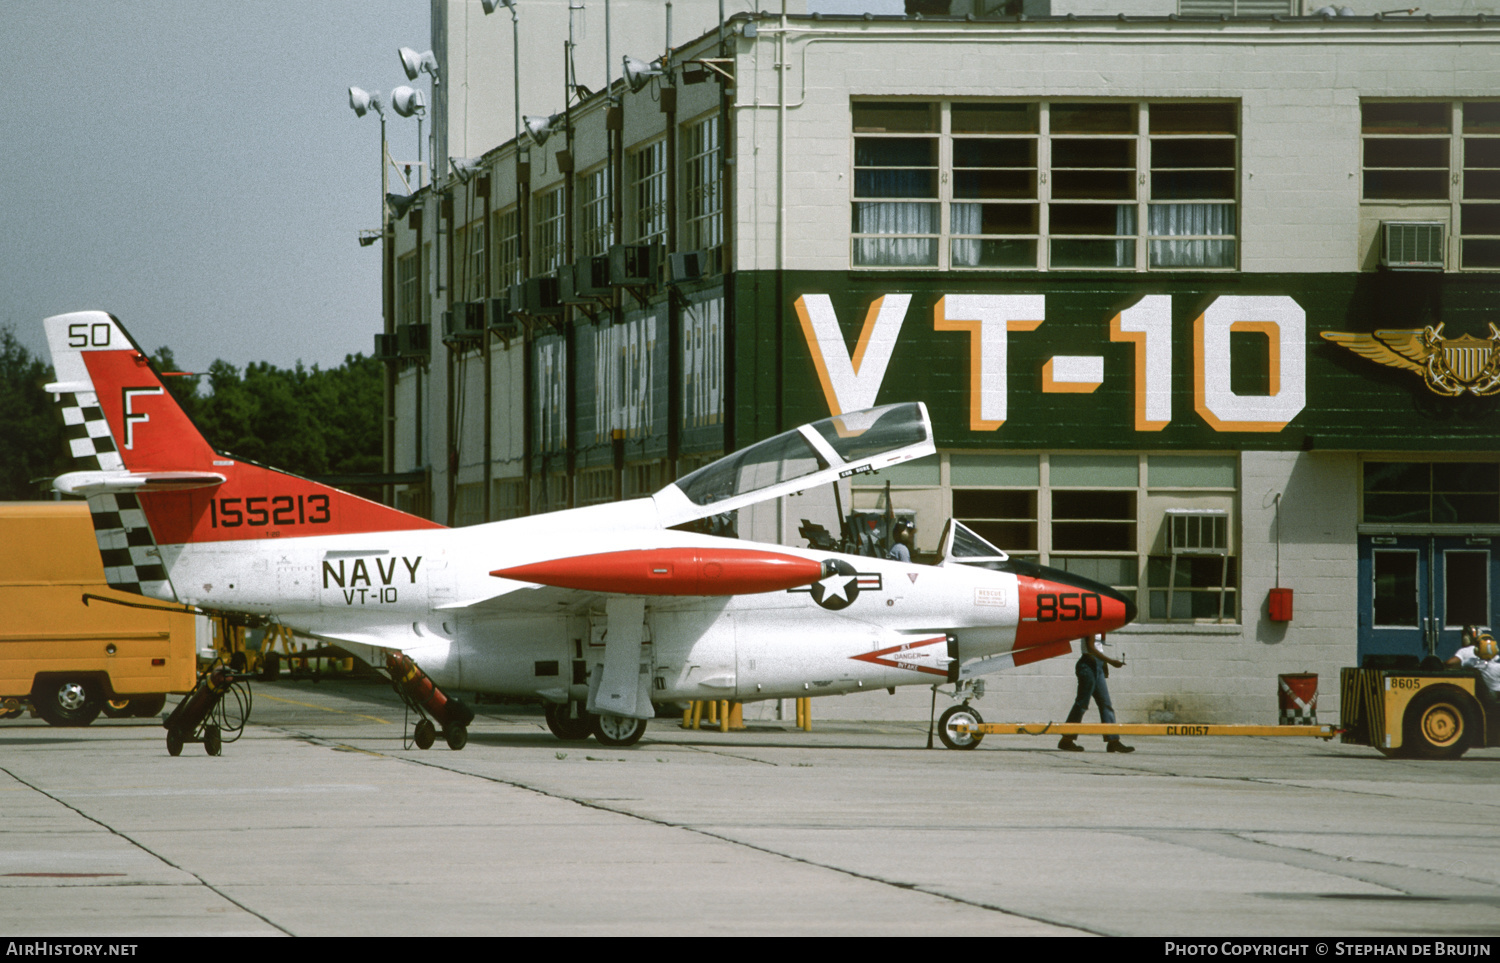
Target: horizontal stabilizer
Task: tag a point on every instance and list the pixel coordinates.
(116, 482)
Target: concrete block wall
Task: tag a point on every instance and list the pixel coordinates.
(1204, 673)
(1299, 85)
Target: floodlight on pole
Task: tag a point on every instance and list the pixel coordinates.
(490, 6)
(638, 73)
(415, 63)
(408, 101)
(464, 168)
(538, 128)
(361, 101)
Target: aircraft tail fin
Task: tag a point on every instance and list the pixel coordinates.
(152, 479)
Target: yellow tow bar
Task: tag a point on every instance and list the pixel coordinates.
(1136, 729)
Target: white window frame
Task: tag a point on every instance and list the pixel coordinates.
(1139, 228)
(1457, 175)
(549, 215)
(703, 189)
(647, 191)
(596, 233)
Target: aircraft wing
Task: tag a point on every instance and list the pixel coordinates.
(806, 457)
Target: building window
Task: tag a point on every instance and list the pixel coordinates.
(1445, 153)
(468, 504)
(595, 485)
(644, 478)
(506, 241)
(1106, 517)
(648, 193)
(703, 197)
(1431, 493)
(469, 259)
(408, 290)
(1045, 185)
(507, 499)
(550, 247)
(1236, 8)
(598, 228)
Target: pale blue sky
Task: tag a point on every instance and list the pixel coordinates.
(193, 168)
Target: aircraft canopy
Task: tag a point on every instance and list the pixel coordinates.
(814, 454)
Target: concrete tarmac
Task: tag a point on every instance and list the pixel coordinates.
(321, 821)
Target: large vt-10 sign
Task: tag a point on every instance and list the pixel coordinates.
(852, 380)
(1234, 361)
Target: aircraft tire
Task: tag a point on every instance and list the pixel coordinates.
(617, 732)
(425, 734)
(565, 728)
(1439, 724)
(456, 736)
(966, 714)
(67, 701)
(118, 708)
(213, 740)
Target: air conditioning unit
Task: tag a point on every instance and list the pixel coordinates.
(464, 322)
(1197, 531)
(387, 347)
(686, 265)
(502, 322)
(1412, 245)
(585, 280)
(414, 340)
(591, 276)
(536, 297)
(633, 265)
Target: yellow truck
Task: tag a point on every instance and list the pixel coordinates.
(67, 659)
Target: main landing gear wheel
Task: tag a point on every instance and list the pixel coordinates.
(425, 734)
(67, 702)
(1439, 724)
(969, 716)
(618, 731)
(118, 709)
(565, 728)
(456, 736)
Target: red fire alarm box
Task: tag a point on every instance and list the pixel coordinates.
(1280, 605)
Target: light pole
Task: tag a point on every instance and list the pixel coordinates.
(361, 102)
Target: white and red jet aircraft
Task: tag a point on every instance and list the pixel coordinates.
(598, 612)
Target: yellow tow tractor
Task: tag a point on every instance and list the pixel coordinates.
(1436, 713)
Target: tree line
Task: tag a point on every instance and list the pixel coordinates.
(308, 421)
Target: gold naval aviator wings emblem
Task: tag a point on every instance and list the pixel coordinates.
(1451, 366)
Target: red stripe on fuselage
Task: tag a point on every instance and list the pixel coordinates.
(672, 571)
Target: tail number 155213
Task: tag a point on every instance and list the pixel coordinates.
(269, 510)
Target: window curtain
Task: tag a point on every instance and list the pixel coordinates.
(1179, 220)
(965, 219)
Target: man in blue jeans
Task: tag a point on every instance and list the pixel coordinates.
(1092, 669)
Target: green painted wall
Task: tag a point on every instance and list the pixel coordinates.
(1352, 403)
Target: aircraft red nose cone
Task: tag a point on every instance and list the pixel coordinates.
(1056, 609)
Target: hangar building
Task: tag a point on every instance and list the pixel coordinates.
(1203, 297)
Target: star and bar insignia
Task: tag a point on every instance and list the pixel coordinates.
(839, 590)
